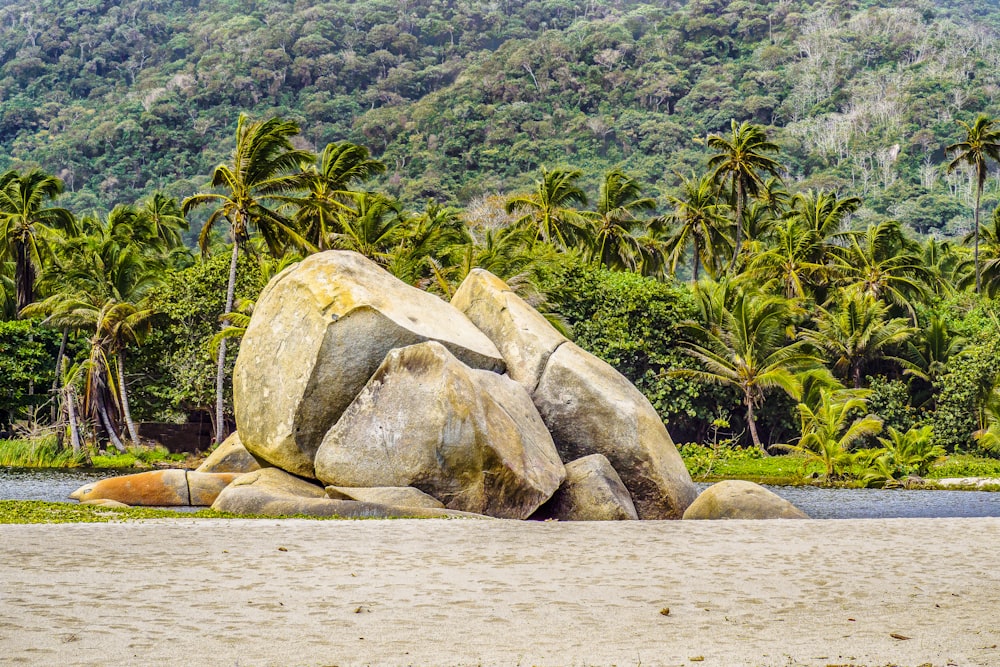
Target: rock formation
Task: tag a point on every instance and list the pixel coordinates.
(736, 499)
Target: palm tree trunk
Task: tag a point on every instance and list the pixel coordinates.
(133, 433)
(739, 222)
(979, 194)
(59, 368)
(220, 373)
(74, 426)
(752, 424)
(24, 274)
(694, 271)
(102, 412)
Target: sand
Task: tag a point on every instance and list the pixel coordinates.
(466, 592)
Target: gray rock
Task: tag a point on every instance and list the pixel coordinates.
(590, 408)
(523, 336)
(470, 438)
(318, 332)
(736, 499)
(592, 491)
(273, 492)
(397, 496)
(230, 456)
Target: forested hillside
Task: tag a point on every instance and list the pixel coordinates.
(466, 98)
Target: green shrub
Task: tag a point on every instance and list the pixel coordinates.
(39, 453)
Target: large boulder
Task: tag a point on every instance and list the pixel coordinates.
(397, 496)
(230, 456)
(737, 499)
(273, 492)
(590, 408)
(319, 331)
(592, 491)
(470, 438)
(158, 488)
(523, 336)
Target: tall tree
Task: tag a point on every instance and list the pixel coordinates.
(980, 145)
(27, 224)
(264, 165)
(741, 162)
(696, 223)
(750, 352)
(549, 211)
(611, 241)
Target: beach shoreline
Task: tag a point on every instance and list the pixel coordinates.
(459, 592)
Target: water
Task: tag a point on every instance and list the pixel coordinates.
(56, 484)
(53, 485)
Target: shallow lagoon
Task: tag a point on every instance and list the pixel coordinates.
(56, 484)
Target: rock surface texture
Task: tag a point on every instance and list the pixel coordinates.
(230, 456)
(469, 438)
(588, 406)
(736, 499)
(592, 491)
(320, 330)
(398, 496)
(158, 488)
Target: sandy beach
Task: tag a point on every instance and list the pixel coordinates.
(463, 592)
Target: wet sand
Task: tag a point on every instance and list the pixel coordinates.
(465, 592)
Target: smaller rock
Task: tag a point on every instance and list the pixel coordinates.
(104, 502)
(273, 492)
(399, 496)
(230, 456)
(205, 487)
(162, 488)
(737, 499)
(592, 491)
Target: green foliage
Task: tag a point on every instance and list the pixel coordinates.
(27, 368)
(39, 453)
(135, 457)
(964, 465)
(908, 453)
(962, 394)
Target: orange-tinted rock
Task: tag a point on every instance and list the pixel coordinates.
(205, 487)
(158, 488)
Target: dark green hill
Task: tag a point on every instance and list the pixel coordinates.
(462, 98)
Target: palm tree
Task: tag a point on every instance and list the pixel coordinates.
(749, 351)
(697, 219)
(329, 182)
(740, 162)
(824, 214)
(981, 144)
(856, 335)
(27, 224)
(372, 225)
(163, 220)
(549, 210)
(264, 165)
(611, 241)
(432, 240)
(886, 265)
(830, 430)
(787, 264)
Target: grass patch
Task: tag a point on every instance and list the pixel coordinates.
(39, 453)
(964, 465)
(712, 464)
(46, 453)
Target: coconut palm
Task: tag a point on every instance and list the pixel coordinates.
(264, 165)
(549, 211)
(432, 240)
(830, 430)
(329, 181)
(741, 160)
(163, 220)
(697, 223)
(373, 225)
(856, 335)
(886, 265)
(27, 225)
(611, 240)
(980, 145)
(750, 352)
(787, 266)
(825, 214)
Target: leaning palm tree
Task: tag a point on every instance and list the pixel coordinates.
(741, 160)
(27, 224)
(264, 165)
(697, 222)
(549, 211)
(611, 240)
(750, 352)
(340, 167)
(981, 144)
